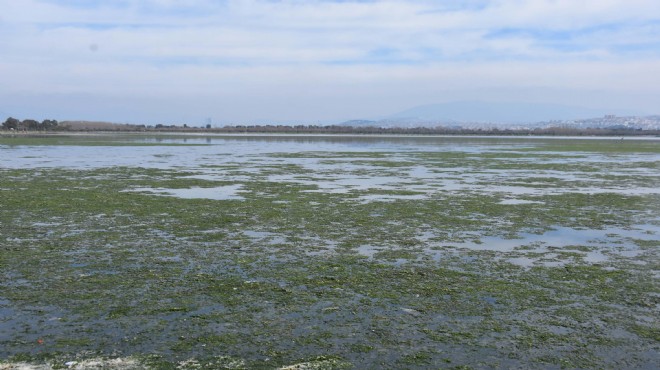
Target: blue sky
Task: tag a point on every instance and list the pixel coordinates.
(183, 61)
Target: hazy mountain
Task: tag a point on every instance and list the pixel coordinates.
(476, 111)
(360, 122)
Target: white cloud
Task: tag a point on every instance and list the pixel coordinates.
(346, 57)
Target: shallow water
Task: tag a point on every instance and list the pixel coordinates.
(347, 165)
(216, 193)
(278, 250)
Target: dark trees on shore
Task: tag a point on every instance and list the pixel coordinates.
(29, 125)
(11, 124)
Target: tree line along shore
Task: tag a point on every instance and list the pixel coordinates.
(13, 125)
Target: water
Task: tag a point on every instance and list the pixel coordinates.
(214, 193)
(307, 246)
(196, 152)
(382, 169)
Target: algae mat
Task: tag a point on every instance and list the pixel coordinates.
(329, 252)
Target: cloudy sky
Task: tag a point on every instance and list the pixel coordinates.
(319, 61)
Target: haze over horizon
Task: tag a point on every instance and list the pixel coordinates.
(321, 61)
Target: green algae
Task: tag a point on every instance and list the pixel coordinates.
(89, 265)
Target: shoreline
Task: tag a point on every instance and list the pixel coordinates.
(4, 133)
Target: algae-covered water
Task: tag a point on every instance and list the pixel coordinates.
(329, 252)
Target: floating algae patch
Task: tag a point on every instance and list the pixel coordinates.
(441, 268)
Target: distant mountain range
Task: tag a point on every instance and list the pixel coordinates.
(471, 114)
(476, 111)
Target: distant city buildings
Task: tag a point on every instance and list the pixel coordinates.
(609, 121)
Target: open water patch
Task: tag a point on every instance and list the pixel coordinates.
(390, 197)
(552, 247)
(560, 237)
(264, 236)
(519, 201)
(227, 192)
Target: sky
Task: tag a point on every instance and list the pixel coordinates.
(319, 61)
